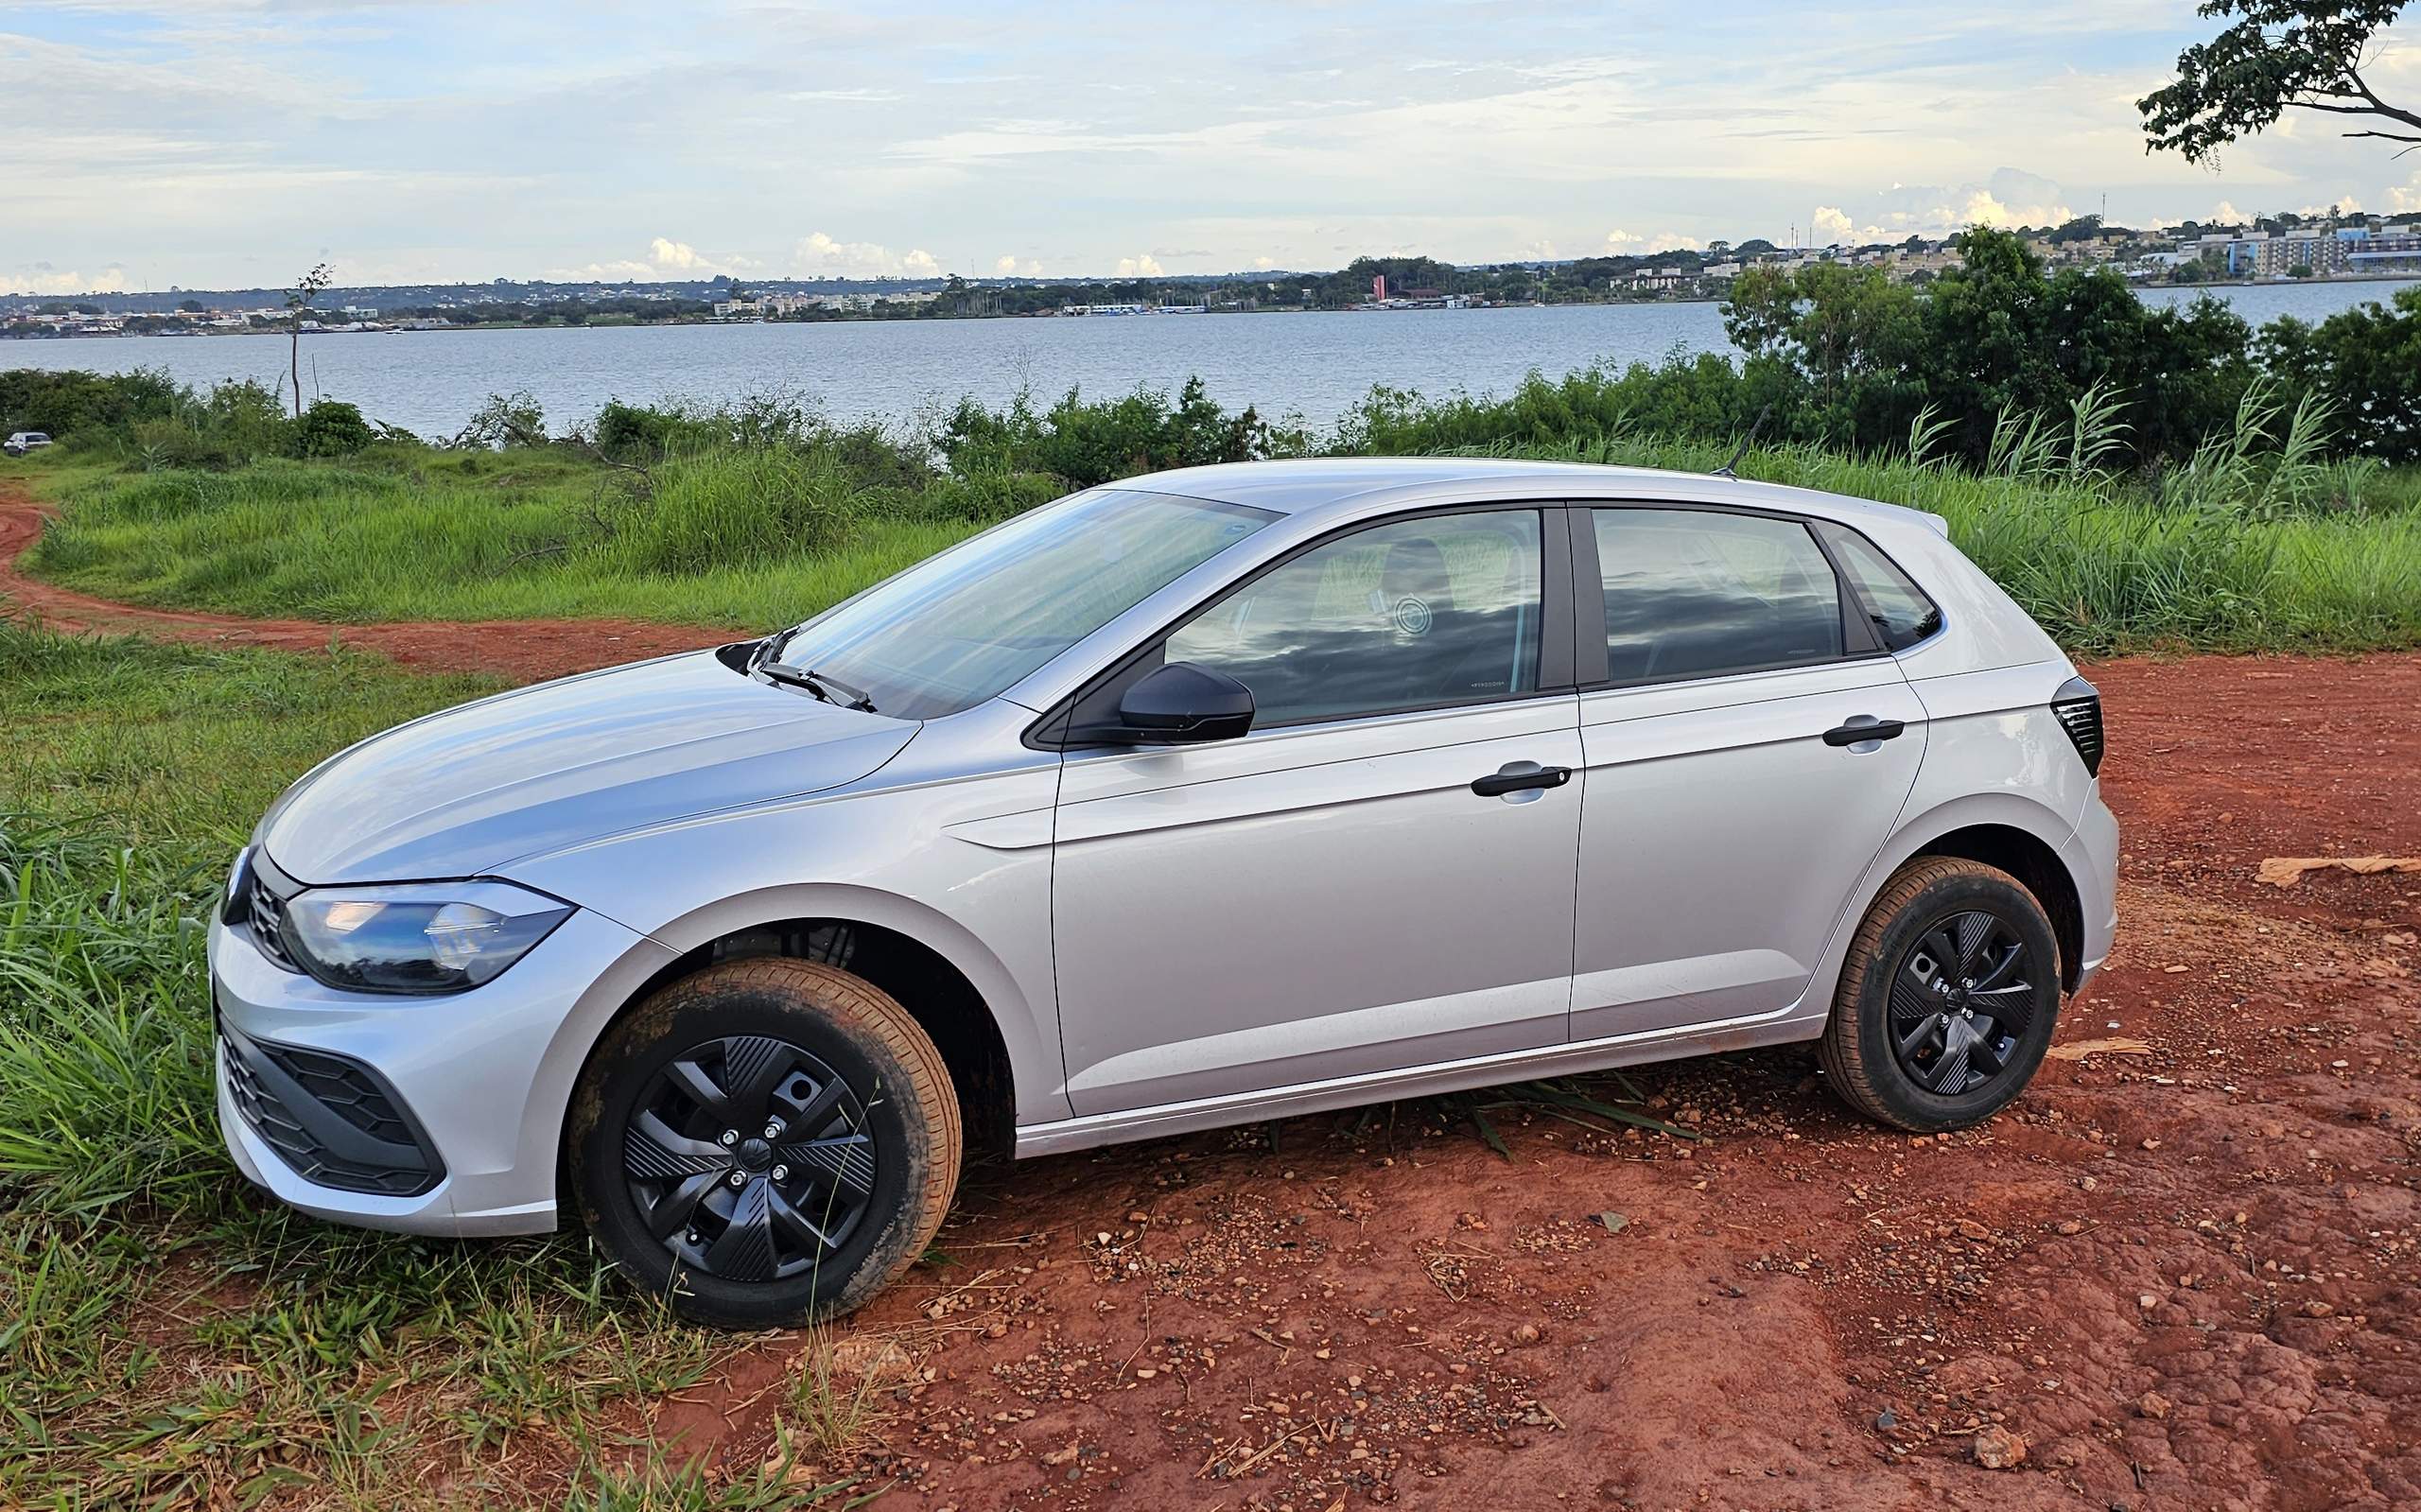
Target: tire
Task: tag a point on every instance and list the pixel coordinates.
(1887, 1000)
(823, 1216)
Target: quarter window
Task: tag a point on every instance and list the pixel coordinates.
(1899, 610)
(1424, 612)
(1698, 593)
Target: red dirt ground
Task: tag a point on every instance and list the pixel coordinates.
(2186, 1278)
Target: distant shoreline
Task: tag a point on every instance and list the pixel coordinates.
(912, 320)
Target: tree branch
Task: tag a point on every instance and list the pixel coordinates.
(2393, 113)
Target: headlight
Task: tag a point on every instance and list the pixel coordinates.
(420, 937)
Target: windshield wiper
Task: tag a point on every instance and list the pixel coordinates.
(771, 648)
(820, 683)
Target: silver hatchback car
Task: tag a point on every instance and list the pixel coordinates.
(1212, 796)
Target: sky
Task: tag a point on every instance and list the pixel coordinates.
(207, 144)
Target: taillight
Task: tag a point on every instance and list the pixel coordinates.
(2077, 708)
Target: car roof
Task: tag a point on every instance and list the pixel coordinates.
(1353, 487)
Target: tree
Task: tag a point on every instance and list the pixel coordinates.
(2278, 54)
(298, 303)
(191, 306)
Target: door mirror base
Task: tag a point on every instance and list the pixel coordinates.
(1181, 704)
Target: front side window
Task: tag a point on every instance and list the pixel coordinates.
(1419, 614)
(964, 626)
(1698, 593)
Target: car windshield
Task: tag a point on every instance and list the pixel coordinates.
(962, 627)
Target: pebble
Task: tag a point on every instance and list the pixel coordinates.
(1997, 1449)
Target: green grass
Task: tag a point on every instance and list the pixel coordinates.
(505, 537)
(762, 535)
(168, 1337)
(2105, 569)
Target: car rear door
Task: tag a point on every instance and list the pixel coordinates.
(1730, 798)
(1379, 876)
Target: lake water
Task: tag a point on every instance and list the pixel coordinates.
(1315, 365)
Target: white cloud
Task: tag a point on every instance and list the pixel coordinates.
(2224, 213)
(1007, 266)
(822, 255)
(1264, 262)
(1632, 244)
(673, 256)
(42, 278)
(2010, 197)
(2404, 196)
(665, 259)
(1144, 265)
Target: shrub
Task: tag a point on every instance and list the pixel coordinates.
(1085, 444)
(512, 419)
(77, 406)
(332, 427)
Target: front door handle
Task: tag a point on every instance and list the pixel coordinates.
(1515, 776)
(1864, 727)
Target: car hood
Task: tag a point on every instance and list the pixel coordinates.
(462, 792)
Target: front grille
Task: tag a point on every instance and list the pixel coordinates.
(2082, 719)
(328, 1118)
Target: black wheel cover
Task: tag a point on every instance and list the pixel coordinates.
(1962, 999)
(749, 1160)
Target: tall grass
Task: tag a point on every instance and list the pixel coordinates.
(2256, 541)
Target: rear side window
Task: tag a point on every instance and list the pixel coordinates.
(1899, 610)
(1697, 593)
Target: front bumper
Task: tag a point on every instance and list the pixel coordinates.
(2092, 857)
(478, 1080)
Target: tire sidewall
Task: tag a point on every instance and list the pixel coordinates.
(1915, 1106)
(676, 1022)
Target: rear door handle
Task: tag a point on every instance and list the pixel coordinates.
(1864, 727)
(1516, 776)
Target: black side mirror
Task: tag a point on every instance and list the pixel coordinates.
(1181, 704)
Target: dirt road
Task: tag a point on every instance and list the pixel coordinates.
(2183, 1271)
(523, 650)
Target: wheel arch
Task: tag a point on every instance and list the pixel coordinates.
(991, 1039)
(2018, 835)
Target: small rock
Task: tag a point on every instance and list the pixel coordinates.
(873, 1360)
(1997, 1449)
(2317, 1309)
(1061, 1456)
(1969, 1228)
(1886, 1420)
(2146, 1300)
(1525, 1334)
(2152, 1405)
(1614, 1223)
(2068, 1227)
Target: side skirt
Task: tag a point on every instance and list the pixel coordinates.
(1783, 1026)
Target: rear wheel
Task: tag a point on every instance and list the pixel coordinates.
(765, 1143)
(1948, 998)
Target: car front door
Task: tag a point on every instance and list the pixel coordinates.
(1730, 802)
(1380, 874)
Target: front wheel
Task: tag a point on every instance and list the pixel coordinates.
(765, 1143)
(1948, 998)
